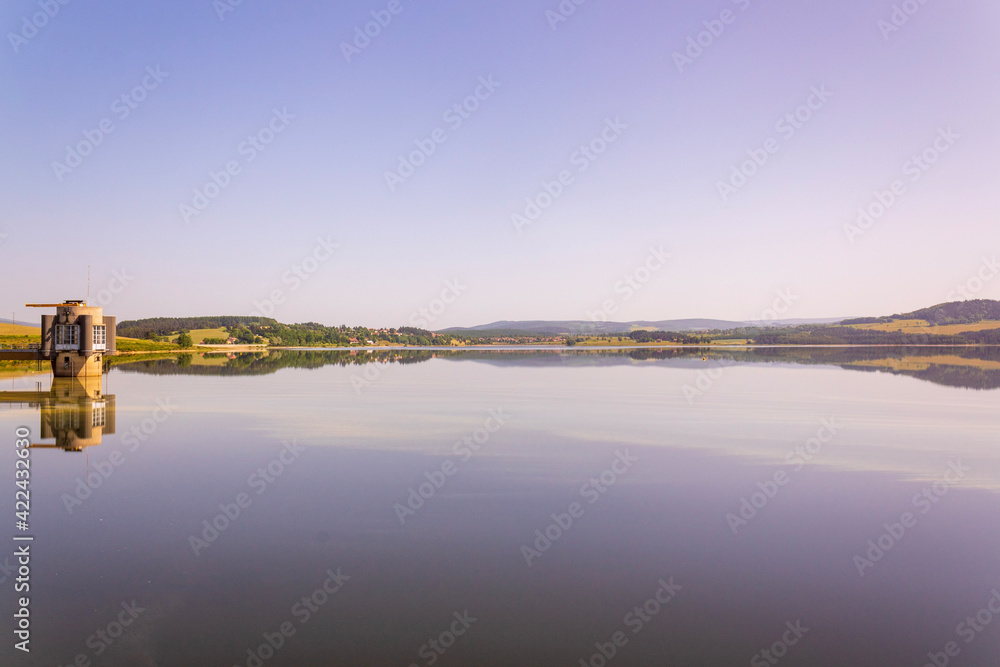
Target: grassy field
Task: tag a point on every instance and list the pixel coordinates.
(198, 336)
(895, 325)
(18, 330)
(19, 336)
(605, 340)
(140, 345)
(923, 327)
(613, 341)
(17, 340)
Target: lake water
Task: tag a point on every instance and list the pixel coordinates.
(546, 507)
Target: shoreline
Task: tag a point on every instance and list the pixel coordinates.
(16, 373)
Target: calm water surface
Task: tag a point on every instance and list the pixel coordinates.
(830, 507)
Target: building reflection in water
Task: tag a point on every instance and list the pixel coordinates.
(73, 414)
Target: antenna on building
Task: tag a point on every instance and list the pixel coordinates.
(88, 282)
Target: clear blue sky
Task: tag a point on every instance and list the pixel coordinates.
(343, 125)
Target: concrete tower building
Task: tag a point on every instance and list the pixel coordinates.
(76, 338)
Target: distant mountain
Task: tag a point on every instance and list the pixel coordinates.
(586, 327)
(793, 322)
(20, 323)
(965, 322)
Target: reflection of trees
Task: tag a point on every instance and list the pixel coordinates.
(851, 358)
(264, 363)
(968, 377)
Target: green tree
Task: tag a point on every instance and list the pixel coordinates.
(184, 340)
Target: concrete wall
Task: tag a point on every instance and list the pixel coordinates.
(85, 361)
(111, 323)
(48, 335)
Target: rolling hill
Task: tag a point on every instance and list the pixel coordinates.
(7, 329)
(974, 311)
(975, 322)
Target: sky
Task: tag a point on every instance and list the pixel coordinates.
(355, 162)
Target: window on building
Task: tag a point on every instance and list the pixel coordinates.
(67, 420)
(67, 334)
(100, 335)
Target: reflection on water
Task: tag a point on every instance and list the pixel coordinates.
(372, 503)
(73, 413)
(969, 367)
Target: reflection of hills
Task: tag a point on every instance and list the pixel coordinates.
(952, 376)
(969, 367)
